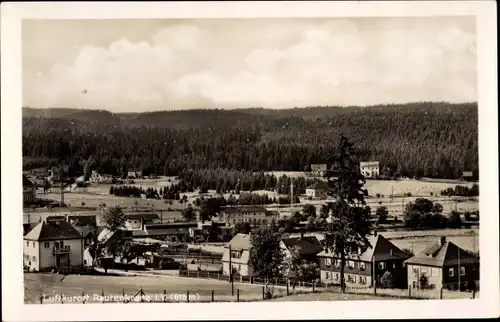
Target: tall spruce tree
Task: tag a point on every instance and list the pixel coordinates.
(349, 228)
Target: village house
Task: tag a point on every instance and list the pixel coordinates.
(134, 174)
(29, 191)
(468, 176)
(138, 220)
(96, 177)
(53, 244)
(251, 214)
(172, 232)
(444, 265)
(317, 190)
(361, 268)
(236, 257)
(57, 174)
(370, 169)
(308, 247)
(318, 170)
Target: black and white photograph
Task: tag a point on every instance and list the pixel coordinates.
(226, 158)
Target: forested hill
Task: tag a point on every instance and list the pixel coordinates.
(420, 139)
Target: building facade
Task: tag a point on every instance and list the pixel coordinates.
(317, 190)
(250, 214)
(368, 266)
(53, 245)
(444, 265)
(370, 169)
(236, 257)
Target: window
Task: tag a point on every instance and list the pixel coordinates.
(393, 265)
(350, 264)
(362, 266)
(85, 262)
(34, 259)
(415, 270)
(46, 244)
(381, 265)
(239, 268)
(328, 261)
(462, 271)
(362, 280)
(28, 243)
(337, 262)
(327, 275)
(337, 276)
(351, 278)
(451, 272)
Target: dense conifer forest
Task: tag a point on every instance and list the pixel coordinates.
(420, 139)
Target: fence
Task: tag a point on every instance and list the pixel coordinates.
(317, 286)
(233, 294)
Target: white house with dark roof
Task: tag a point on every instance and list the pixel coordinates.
(237, 256)
(317, 190)
(370, 169)
(53, 244)
(444, 264)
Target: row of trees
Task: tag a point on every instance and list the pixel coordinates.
(423, 214)
(133, 191)
(443, 140)
(462, 191)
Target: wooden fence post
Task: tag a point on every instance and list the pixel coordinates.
(287, 288)
(237, 295)
(41, 299)
(213, 295)
(62, 301)
(83, 297)
(164, 296)
(409, 291)
(314, 283)
(473, 294)
(102, 293)
(187, 296)
(441, 293)
(263, 293)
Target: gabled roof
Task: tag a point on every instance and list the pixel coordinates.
(440, 255)
(53, 231)
(83, 220)
(84, 230)
(382, 249)
(369, 163)
(308, 245)
(240, 242)
(320, 185)
(28, 227)
(166, 231)
(27, 182)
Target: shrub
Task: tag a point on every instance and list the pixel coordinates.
(386, 280)
(378, 195)
(408, 194)
(424, 281)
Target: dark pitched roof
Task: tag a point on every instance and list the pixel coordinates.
(320, 185)
(53, 231)
(27, 182)
(440, 255)
(85, 230)
(28, 227)
(83, 220)
(308, 245)
(381, 250)
(141, 215)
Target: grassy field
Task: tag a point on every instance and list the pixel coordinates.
(332, 297)
(176, 288)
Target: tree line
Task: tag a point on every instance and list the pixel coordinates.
(427, 139)
(462, 191)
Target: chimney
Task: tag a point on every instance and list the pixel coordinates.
(443, 240)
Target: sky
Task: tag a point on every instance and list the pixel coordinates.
(170, 64)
